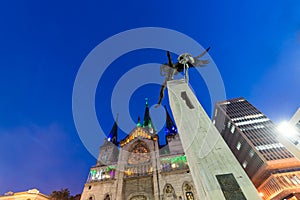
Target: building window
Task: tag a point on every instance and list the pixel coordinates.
(251, 153)
(298, 125)
(188, 189)
(232, 129)
(102, 174)
(90, 187)
(228, 124)
(107, 197)
(169, 192)
(216, 112)
(104, 158)
(245, 163)
(139, 154)
(238, 146)
(189, 196)
(258, 126)
(295, 178)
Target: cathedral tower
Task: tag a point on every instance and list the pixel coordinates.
(137, 167)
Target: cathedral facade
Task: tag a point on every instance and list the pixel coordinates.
(138, 167)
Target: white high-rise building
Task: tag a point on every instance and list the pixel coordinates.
(295, 120)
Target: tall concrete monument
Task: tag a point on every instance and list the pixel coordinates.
(215, 171)
(194, 163)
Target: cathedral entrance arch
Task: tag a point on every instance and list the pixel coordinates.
(138, 196)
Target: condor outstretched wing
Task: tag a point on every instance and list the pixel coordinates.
(198, 62)
(203, 53)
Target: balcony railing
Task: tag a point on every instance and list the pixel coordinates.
(174, 167)
(103, 173)
(138, 170)
(174, 163)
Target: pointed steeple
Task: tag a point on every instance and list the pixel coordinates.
(113, 135)
(139, 122)
(147, 119)
(171, 128)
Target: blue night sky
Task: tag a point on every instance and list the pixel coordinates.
(255, 45)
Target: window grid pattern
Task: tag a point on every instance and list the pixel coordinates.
(256, 127)
(277, 183)
(298, 125)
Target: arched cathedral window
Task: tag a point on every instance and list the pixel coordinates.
(189, 196)
(169, 192)
(138, 197)
(139, 154)
(107, 197)
(188, 191)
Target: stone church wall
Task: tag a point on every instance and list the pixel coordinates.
(138, 187)
(177, 181)
(99, 190)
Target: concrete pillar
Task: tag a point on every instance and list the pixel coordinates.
(119, 177)
(211, 162)
(155, 156)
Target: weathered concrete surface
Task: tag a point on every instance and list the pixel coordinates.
(207, 153)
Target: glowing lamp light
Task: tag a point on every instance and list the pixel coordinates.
(261, 194)
(287, 129)
(109, 139)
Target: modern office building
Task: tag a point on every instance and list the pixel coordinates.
(295, 123)
(295, 120)
(253, 138)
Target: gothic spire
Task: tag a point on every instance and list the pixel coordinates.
(147, 119)
(171, 128)
(139, 122)
(113, 135)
